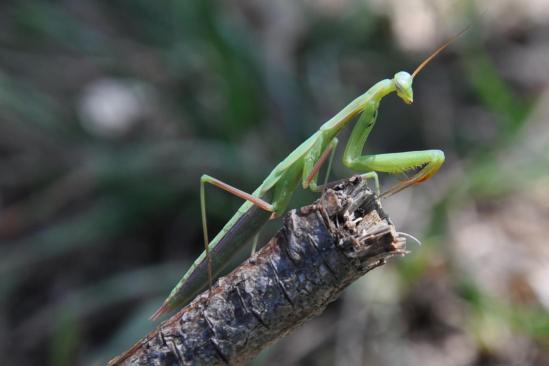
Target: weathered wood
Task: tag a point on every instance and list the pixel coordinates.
(319, 251)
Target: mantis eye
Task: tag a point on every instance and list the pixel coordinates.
(403, 81)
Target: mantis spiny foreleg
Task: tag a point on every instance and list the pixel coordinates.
(310, 173)
(429, 160)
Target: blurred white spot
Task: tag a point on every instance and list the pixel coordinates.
(413, 22)
(540, 284)
(420, 25)
(538, 10)
(505, 14)
(414, 25)
(109, 108)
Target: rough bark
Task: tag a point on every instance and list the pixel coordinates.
(319, 251)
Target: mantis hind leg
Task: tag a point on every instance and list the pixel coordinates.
(235, 191)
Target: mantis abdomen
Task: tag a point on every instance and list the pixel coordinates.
(246, 223)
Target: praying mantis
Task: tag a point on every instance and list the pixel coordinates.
(303, 164)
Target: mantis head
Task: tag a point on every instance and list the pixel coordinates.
(403, 84)
(403, 80)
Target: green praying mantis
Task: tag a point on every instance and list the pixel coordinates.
(303, 164)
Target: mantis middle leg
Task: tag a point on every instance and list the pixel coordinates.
(310, 175)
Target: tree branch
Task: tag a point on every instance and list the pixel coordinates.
(319, 251)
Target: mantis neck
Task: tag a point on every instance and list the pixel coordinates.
(374, 94)
(381, 89)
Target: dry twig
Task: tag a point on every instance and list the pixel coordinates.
(319, 251)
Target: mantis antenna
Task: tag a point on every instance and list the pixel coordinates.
(437, 51)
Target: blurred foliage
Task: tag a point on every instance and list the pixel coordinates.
(111, 110)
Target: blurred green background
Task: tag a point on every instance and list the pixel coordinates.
(111, 110)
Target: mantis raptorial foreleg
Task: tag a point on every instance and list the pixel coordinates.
(234, 191)
(310, 173)
(429, 160)
(311, 180)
